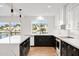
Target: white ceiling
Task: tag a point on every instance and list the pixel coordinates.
(32, 9)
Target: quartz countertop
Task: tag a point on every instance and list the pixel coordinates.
(17, 39)
(13, 40)
(72, 41)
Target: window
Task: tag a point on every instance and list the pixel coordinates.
(7, 29)
(4, 30)
(39, 26)
(15, 28)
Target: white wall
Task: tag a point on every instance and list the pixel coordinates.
(27, 23)
(54, 22)
(9, 19)
(27, 26)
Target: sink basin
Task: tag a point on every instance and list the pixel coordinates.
(68, 37)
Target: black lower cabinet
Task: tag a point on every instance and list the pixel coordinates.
(21, 50)
(74, 52)
(44, 40)
(68, 50)
(63, 48)
(24, 47)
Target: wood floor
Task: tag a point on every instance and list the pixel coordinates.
(42, 51)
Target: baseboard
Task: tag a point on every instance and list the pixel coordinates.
(41, 46)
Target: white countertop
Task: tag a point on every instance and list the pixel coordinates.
(19, 39)
(12, 40)
(72, 41)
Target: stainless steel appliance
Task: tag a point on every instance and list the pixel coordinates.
(58, 46)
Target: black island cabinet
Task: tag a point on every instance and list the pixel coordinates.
(25, 47)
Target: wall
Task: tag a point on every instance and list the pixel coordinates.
(26, 24)
(54, 22)
(9, 19)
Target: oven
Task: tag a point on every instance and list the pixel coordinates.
(58, 46)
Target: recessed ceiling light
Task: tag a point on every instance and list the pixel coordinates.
(49, 6)
(40, 18)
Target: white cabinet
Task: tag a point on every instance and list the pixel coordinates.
(72, 16)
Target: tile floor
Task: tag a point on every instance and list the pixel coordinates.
(42, 51)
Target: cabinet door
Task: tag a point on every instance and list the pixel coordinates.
(63, 48)
(74, 51)
(44, 41)
(78, 51)
(27, 46)
(24, 47)
(22, 51)
(38, 41)
(69, 50)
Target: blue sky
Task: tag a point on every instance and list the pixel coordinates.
(40, 21)
(3, 23)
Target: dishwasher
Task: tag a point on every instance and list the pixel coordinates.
(58, 46)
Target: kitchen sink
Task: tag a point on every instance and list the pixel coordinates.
(68, 37)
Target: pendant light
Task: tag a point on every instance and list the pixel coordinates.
(20, 16)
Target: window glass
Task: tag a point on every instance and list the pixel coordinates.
(15, 28)
(9, 29)
(39, 26)
(4, 30)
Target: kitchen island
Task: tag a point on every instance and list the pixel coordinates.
(10, 46)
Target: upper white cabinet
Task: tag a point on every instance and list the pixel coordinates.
(72, 19)
(72, 16)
